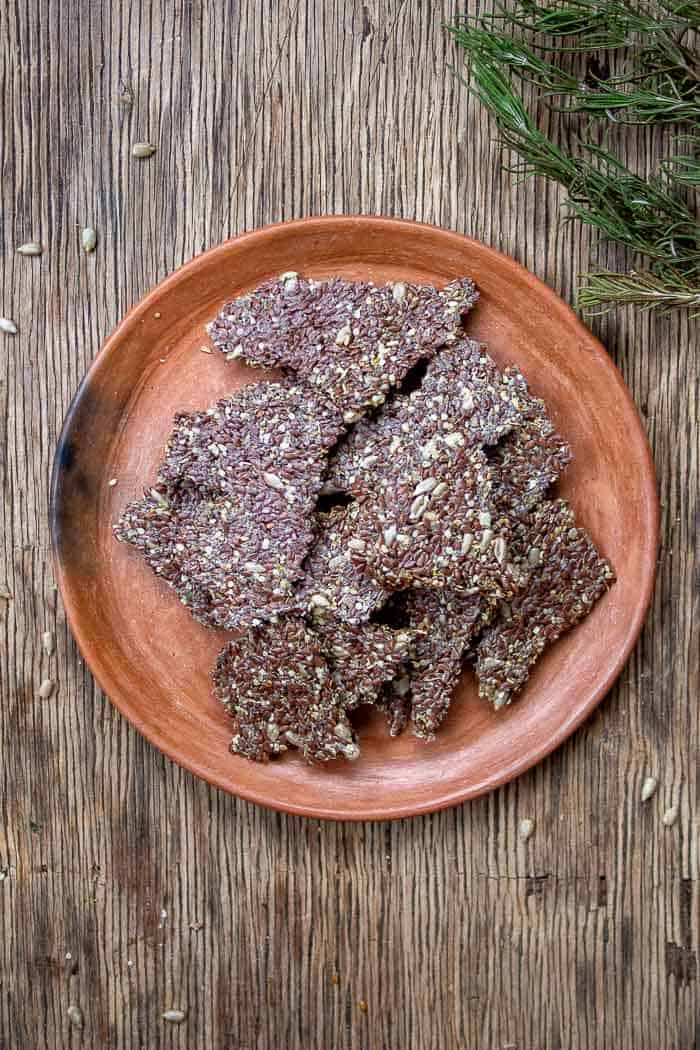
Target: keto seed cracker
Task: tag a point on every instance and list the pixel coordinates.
(566, 578)
(444, 623)
(333, 585)
(351, 341)
(463, 401)
(362, 658)
(278, 687)
(229, 520)
(429, 523)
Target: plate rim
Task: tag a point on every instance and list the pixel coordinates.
(369, 812)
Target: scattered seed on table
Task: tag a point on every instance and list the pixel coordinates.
(143, 150)
(157, 315)
(75, 1016)
(30, 248)
(526, 828)
(649, 786)
(670, 816)
(8, 326)
(363, 1006)
(174, 1016)
(89, 239)
(46, 688)
(206, 349)
(112, 482)
(335, 979)
(49, 643)
(5, 594)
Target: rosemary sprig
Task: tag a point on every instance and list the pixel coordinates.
(636, 289)
(647, 216)
(665, 90)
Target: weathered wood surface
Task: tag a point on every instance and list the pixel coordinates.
(129, 886)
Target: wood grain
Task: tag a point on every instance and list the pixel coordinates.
(130, 887)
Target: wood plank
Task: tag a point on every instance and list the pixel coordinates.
(131, 887)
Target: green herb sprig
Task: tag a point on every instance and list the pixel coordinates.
(650, 217)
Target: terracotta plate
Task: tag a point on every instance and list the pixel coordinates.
(153, 660)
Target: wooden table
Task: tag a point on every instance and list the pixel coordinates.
(129, 887)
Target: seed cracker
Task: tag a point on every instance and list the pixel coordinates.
(526, 463)
(566, 578)
(278, 687)
(362, 657)
(333, 584)
(230, 519)
(351, 341)
(445, 623)
(464, 400)
(430, 524)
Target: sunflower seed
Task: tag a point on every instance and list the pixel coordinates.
(426, 485)
(418, 508)
(534, 556)
(490, 663)
(526, 828)
(670, 816)
(48, 642)
(318, 601)
(6, 325)
(467, 540)
(486, 537)
(30, 248)
(174, 1016)
(649, 786)
(46, 688)
(344, 732)
(344, 336)
(453, 439)
(389, 535)
(143, 149)
(485, 519)
(351, 752)
(75, 1016)
(500, 550)
(273, 481)
(468, 401)
(399, 291)
(88, 239)
(356, 545)
(439, 490)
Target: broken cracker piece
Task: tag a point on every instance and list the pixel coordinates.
(229, 521)
(278, 687)
(333, 586)
(351, 341)
(362, 657)
(445, 623)
(566, 578)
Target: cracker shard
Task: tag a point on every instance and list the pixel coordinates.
(565, 580)
(279, 688)
(444, 623)
(406, 536)
(213, 527)
(333, 584)
(463, 401)
(526, 463)
(362, 657)
(352, 341)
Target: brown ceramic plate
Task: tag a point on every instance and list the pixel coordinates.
(153, 660)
